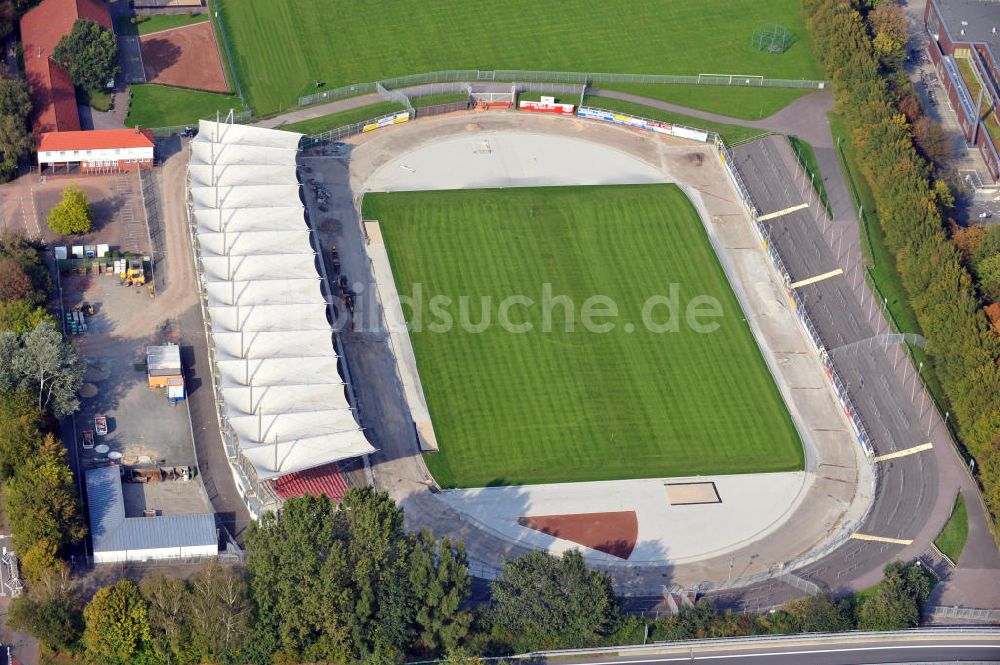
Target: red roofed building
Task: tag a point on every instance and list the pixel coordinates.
(96, 151)
(52, 91)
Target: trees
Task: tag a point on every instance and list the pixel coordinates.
(16, 141)
(340, 583)
(89, 53)
(14, 282)
(71, 214)
(897, 603)
(117, 626)
(544, 602)
(49, 367)
(50, 612)
(20, 431)
(219, 611)
(42, 504)
(440, 581)
(19, 316)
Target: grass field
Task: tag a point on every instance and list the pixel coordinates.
(729, 133)
(163, 106)
(558, 406)
(282, 46)
(155, 23)
(952, 538)
(335, 120)
(735, 102)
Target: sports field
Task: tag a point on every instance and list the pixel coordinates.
(281, 47)
(551, 405)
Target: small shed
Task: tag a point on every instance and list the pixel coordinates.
(163, 366)
(118, 538)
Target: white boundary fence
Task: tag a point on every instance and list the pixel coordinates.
(579, 78)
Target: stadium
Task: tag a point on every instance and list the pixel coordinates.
(650, 442)
(543, 314)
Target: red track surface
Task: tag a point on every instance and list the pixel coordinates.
(186, 57)
(612, 533)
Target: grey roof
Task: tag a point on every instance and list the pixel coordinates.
(112, 531)
(980, 17)
(163, 357)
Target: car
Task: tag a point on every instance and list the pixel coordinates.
(985, 215)
(189, 131)
(101, 425)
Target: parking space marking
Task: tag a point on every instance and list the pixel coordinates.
(781, 213)
(816, 278)
(903, 453)
(880, 539)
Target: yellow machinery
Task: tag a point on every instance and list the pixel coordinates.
(131, 272)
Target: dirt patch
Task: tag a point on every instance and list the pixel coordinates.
(613, 533)
(687, 494)
(186, 57)
(694, 158)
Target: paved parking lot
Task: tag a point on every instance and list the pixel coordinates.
(143, 427)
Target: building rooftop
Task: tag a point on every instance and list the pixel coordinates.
(978, 18)
(52, 93)
(111, 531)
(96, 139)
(160, 358)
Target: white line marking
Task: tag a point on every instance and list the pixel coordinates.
(880, 539)
(903, 453)
(781, 213)
(816, 278)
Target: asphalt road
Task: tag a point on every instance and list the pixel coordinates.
(833, 651)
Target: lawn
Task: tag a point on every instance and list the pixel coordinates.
(558, 405)
(155, 23)
(282, 46)
(952, 538)
(729, 133)
(164, 106)
(735, 102)
(335, 120)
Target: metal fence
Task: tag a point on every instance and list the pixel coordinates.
(579, 78)
(939, 612)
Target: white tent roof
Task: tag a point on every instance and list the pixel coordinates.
(262, 292)
(284, 399)
(282, 392)
(233, 220)
(268, 344)
(240, 243)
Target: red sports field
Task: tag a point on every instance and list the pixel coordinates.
(186, 57)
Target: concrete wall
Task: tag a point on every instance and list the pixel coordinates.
(120, 556)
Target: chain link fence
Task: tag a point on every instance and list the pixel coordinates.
(578, 78)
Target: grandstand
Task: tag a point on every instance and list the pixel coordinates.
(283, 405)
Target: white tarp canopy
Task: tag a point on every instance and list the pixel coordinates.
(250, 219)
(281, 388)
(262, 292)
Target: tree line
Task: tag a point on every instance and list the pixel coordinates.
(873, 97)
(347, 584)
(40, 374)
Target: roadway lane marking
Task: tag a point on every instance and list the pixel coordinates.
(880, 539)
(816, 278)
(695, 656)
(903, 453)
(781, 213)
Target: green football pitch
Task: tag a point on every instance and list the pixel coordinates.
(557, 405)
(281, 47)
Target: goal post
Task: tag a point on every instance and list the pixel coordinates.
(753, 80)
(488, 100)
